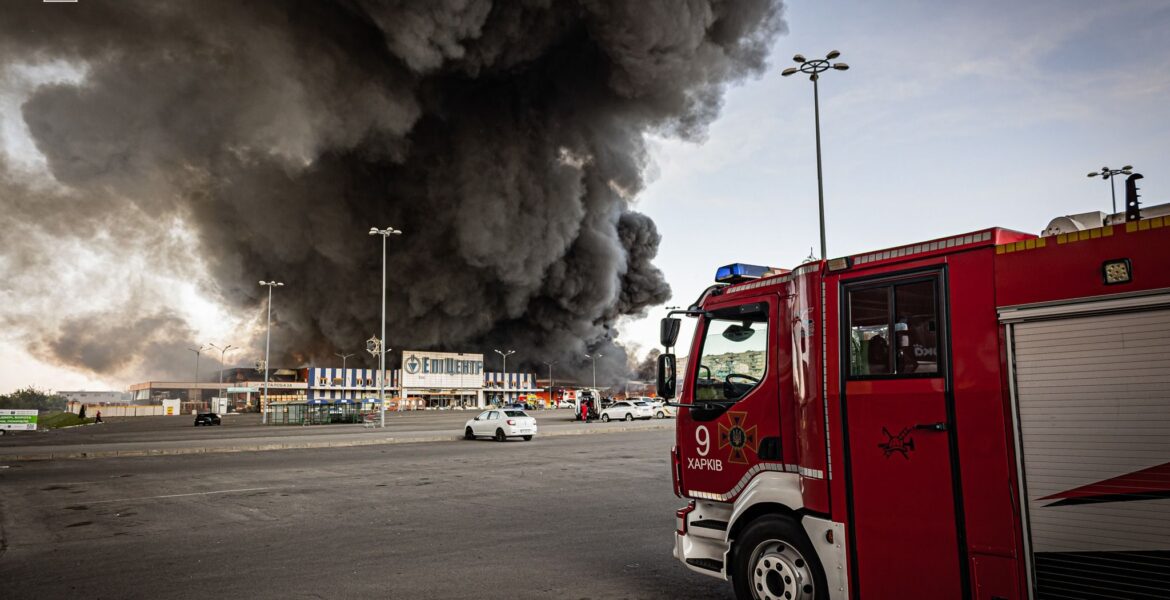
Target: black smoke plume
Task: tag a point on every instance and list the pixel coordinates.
(506, 139)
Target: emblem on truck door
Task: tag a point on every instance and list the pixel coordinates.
(737, 438)
(901, 443)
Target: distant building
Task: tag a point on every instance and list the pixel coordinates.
(429, 379)
(97, 397)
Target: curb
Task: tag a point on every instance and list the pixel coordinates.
(304, 445)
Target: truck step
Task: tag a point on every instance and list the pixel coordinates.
(710, 524)
(709, 564)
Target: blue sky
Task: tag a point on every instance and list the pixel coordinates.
(952, 117)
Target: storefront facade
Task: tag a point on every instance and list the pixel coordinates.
(439, 380)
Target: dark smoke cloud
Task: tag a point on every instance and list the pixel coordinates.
(505, 139)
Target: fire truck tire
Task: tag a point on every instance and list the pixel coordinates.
(773, 559)
(629, 417)
(605, 418)
(500, 437)
(468, 434)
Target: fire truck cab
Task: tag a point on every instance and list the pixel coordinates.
(982, 416)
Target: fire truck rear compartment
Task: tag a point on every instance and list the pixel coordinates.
(1092, 404)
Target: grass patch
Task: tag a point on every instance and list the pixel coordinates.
(53, 419)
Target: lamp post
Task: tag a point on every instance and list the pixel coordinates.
(267, 348)
(222, 352)
(814, 68)
(374, 347)
(197, 352)
(505, 356)
(385, 233)
(1107, 173)
(343, 359)
(550, 381)
(594, 357)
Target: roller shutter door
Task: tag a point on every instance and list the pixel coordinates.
(1093, 401)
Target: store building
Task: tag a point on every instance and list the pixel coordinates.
(426, 380)
(241, 387)
(96, 397)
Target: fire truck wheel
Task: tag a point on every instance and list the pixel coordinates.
(605, 418)
(629, 417)
(468, 434)
(774, 561)
(500, 437)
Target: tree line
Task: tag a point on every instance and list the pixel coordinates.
(31, 397)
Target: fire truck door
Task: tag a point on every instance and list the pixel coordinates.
(901, 490)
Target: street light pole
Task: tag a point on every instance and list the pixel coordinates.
(197, 352)
(814, 68)
(385, 233)
(343, 358)
(594, 357)
(505, 356)
(1107, 173)
(222, 352)
(267, 348)
(550, 381)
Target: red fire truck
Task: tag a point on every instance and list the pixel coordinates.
(982, 416)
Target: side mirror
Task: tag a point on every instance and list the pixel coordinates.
(666, 374)
(668, 331)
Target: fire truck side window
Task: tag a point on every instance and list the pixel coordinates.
(916, 328)
(893, 330)
(734, 357)
(869, 332)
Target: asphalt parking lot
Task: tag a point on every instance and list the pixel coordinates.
(575, 516)
(146, 436)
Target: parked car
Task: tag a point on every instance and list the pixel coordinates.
(661, 410)
(567, 404)
(500, 424)
(206, 419)
(628, 411)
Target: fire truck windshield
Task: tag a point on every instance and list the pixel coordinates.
(733, 359)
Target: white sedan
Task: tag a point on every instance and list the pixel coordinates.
(501, 424)
(628, 411)
(661, 410)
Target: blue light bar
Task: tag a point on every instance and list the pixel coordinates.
(739, 272)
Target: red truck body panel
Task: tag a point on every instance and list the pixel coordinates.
(923, 467)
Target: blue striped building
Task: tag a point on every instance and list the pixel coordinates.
(332, 384)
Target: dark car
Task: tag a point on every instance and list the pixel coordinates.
(206, 419)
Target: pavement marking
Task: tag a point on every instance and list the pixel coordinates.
(179, 495)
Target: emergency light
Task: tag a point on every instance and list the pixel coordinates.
(739, 272)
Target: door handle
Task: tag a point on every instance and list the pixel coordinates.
(940, 426)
